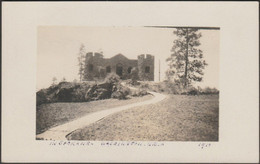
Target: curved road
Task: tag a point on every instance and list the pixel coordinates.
(60, 132)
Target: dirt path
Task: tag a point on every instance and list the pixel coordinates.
(60, 132)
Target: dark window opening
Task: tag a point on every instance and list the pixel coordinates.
(108, 69)
(147, 69)
(90, 67)
(129, 69)
(119, 69)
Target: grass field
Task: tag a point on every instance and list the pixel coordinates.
(53, 114)
(177, 118)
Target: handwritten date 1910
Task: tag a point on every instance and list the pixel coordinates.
(204, 145)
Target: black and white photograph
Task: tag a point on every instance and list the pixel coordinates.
(128, 83)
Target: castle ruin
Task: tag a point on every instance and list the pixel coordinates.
(96, 66)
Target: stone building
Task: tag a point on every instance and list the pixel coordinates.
(97, 67)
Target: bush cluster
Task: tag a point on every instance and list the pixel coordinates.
(173, 88)
(121, 92)
(112, 78)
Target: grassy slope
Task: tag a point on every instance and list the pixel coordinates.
(53, 114)
(178, 118)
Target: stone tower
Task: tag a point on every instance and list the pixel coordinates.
(146, 67)
(93, 69)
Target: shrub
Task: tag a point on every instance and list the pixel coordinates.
(209, 90)
(41, 97)
(63, 92)
(121, 92)
(196, 91)
(166, 87)
(193, 91)
(134, 74)
(112, 78)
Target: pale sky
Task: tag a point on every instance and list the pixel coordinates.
(58, 47)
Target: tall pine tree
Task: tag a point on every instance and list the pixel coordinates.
(81, 59)
(186, 62)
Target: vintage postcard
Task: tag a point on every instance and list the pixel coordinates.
(130, 82)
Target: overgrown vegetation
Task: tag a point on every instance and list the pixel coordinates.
(86, 91)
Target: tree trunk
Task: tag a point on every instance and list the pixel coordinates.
(186, 59)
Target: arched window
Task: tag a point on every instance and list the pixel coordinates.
(108, 69)
(147, 69)
(129, 69)
(90, 67)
